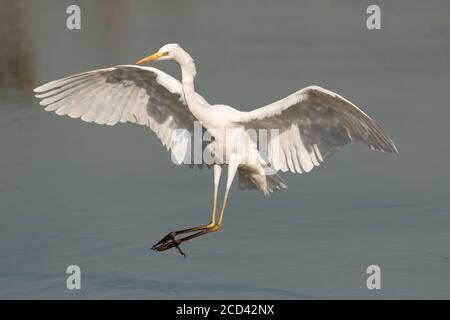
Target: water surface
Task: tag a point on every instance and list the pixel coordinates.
(99, 197)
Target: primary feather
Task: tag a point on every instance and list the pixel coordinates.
(311, 125)
(141, 95)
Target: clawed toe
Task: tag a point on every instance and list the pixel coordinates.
(169, 237)
(168, 242)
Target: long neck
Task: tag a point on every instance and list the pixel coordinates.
(188, 73)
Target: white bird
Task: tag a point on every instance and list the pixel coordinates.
(303, 129)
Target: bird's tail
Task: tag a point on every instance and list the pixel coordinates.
(275, 183)
(250, 180)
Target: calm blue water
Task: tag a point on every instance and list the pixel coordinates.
(99, 197)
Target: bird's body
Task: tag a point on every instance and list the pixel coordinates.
(293, 134)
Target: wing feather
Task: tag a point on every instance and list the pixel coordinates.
(313, 124)
(145, 96)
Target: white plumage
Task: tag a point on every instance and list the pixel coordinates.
(302, 129)
(145, 96)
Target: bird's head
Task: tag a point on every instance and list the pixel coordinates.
(169, 51)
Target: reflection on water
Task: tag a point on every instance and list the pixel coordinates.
(16, 49)
(98, 197)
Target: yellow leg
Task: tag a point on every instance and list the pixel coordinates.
(225, 199)
(212, 222)
(232, 169)
(169, 240)
(217, 172)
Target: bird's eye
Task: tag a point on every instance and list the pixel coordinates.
(166, 53)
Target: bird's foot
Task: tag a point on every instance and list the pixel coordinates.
(169, 241)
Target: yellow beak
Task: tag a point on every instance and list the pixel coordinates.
(150, 58)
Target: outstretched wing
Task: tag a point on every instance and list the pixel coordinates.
(141, 95)
(311, 125)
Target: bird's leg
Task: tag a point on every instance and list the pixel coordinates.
(171, 242)
(170, 237)
(232, 168)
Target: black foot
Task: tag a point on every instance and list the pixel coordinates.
(169, 241)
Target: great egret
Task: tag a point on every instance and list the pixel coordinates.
(312, 124)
